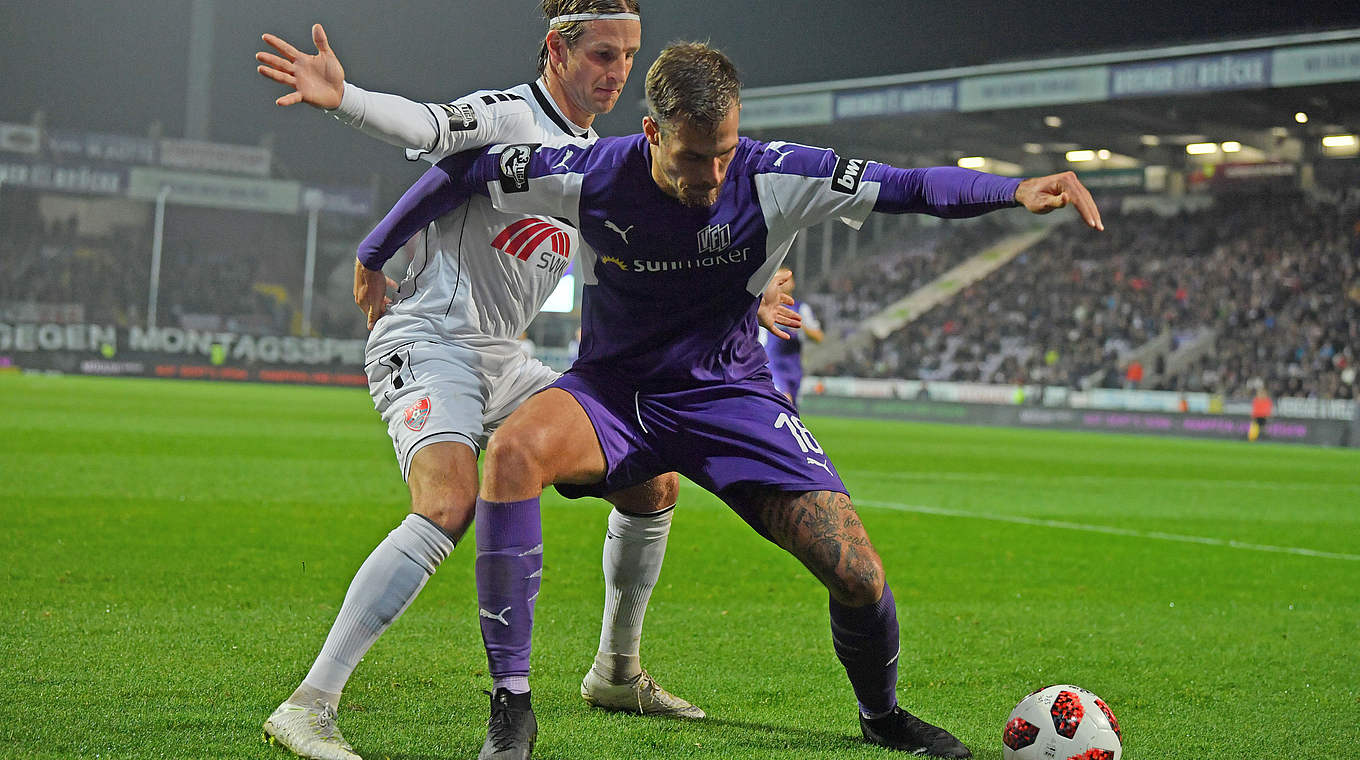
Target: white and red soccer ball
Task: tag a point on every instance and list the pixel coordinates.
(1062, 722)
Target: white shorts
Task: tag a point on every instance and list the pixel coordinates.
(433, 392)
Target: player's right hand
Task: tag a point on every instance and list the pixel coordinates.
(370, 292)
(1043, 194)
(317, 80)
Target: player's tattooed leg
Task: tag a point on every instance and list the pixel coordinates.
(822, 529)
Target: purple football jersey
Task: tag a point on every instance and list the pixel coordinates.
(670, 291)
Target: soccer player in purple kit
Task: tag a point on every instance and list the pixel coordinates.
(683, 228)
(786, 356)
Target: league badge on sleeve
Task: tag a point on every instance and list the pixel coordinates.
(461, 116)
(417, 413)
(514, 165)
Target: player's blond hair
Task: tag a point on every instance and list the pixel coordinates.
(694, 84)
(572, 31)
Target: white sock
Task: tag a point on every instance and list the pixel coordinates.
(634, 547)
(383, 588)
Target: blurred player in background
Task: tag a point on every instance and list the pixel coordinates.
(445, 369)
(671, 374)
(786, 356)
(1261, 408)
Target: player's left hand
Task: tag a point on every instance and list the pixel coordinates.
(774, 308)
(370, 292)
(1043, 194)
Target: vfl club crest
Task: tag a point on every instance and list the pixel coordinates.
(417, 413)
(715, 237)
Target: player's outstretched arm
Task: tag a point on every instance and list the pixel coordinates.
(1043, 194)
(317, 80)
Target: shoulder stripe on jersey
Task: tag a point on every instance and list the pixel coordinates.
(551, 111)
(501, 97)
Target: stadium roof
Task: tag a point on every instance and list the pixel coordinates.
(1142, 106)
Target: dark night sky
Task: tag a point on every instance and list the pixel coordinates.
(117, 65)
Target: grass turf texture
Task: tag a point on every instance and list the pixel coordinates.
(175, 552)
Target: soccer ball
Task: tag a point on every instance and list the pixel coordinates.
(1062, 722)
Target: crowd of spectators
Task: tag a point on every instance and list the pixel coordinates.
(51, 262)
(217, 274)
(1272, 284)
(895, 267)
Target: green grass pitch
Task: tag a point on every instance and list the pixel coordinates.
(174, 553)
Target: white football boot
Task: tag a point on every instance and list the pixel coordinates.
(308, 731)
(640, 695)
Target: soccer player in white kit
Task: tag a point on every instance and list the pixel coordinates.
(445, 368)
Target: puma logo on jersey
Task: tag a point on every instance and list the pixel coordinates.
(562, 164)
(493, 616)
(783, 154)
(819, 464)
(622, 233)
(616, 262)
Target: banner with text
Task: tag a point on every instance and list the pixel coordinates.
(216, 157)
(94, 349)
(214, 191)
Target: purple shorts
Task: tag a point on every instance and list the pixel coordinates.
(719, 436)
(787, 374)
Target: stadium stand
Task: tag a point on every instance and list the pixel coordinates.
(1255, 289)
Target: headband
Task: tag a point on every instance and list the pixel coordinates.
(593, 17)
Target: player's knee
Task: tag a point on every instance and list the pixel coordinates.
(451, 510)
(860, 581)
(514, 455)
(447, 502)
(657, 494)
(668, 486)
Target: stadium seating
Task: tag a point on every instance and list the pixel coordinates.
(1255, 289)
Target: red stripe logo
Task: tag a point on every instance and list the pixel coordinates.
(526, 237)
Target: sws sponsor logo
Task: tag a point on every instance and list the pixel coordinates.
(845, 178)
(547, 244)
(514, 165)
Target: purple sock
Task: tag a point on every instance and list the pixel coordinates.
(866, 643)
(509, 567)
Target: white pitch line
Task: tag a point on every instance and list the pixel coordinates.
(969, 477)
(1107, 530)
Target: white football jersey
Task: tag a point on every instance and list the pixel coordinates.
(478, 276)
